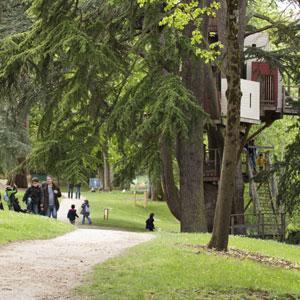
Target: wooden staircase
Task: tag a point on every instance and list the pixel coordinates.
(269, 216)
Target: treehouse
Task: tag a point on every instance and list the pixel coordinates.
(264, 97)
(264, 100)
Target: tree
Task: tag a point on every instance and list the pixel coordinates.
(219, 239)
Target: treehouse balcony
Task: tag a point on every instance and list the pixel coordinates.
(212, 165)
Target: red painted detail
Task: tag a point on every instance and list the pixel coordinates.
(260, 69)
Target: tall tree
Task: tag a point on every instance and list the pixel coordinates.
(219, 239)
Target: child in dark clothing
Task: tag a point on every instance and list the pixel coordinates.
(72, 214)
(150, 222)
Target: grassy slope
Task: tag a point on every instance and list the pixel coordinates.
(165, 269)
(14, 227)
(18, 226)
(125, 214)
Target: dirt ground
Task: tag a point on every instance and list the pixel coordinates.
(50, 269)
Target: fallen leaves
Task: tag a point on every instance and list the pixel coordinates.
(254, 256)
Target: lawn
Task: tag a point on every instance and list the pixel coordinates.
(126, 214)
(166, 269)
(18, 226)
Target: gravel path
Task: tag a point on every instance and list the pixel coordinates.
(50, 269)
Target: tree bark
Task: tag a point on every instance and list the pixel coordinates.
(238, 199)
(220, 234)
(169, 186)
(156, 190)
(106, 169)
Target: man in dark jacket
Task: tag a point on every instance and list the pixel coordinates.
(50, 195)
(33, 196)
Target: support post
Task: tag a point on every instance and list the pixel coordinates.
(145, 199)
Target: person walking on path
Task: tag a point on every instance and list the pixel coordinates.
(72, 214)
(78, 188)
(70, 190)
(85, 211)
(50, 195)
(33, 197)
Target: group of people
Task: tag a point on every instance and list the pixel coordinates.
(260, 160)
(42, 199)
(85, 212)
(39, 198)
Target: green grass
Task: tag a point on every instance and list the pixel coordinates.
(166, 269)
(19, 226)
(125, 214)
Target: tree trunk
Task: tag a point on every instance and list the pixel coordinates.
(190, 149)
(169, 186)
(106, 169)
(238, 200)
(210, 196)
(220, 234)
(156, 190)
(190, 160)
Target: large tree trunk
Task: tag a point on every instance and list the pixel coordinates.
(220, 234)
(190, 149)
(190, 160)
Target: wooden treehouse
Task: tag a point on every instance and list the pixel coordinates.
(264, 100)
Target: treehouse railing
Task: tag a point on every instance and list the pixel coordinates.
(212, 164)
(259, 225)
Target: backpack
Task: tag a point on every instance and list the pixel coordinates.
(6, 197)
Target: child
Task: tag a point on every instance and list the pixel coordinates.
(10, 197)
(150, 222)
(72, 214)
(85, 211)
(1, 205)
(261, 162)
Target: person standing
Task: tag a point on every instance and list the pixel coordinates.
(33, 197)
(50, 195)
(85, 211)
(78, 187)
(70, 190)
(72, 214)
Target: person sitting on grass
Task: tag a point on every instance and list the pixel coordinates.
(72, 214)
(17, 207)
(150, 222)
(85, 211)
(1, 204)
(10, 196)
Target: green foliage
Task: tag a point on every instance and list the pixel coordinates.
(179, 15)
(289, 186)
